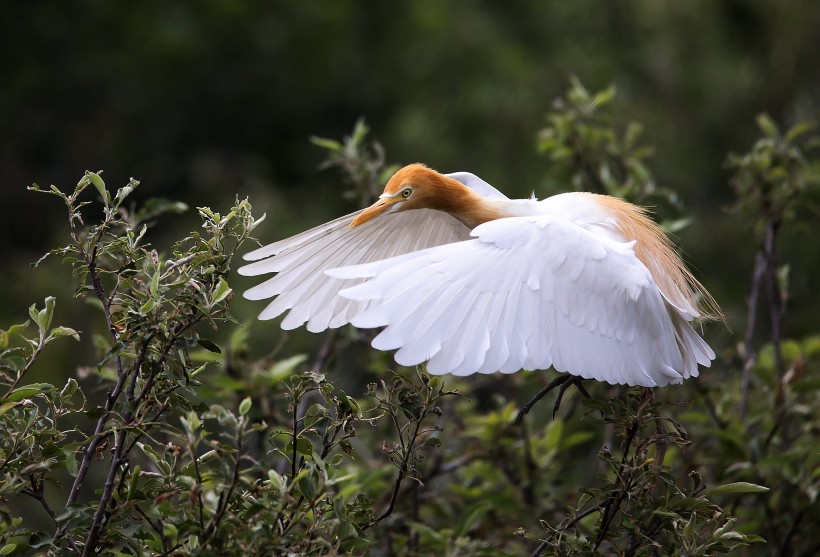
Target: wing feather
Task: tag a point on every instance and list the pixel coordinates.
(301, 286)
(528, 293)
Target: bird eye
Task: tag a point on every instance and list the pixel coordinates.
(406, 193)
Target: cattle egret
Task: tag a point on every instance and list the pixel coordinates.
(469, 281)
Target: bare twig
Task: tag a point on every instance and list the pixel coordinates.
(90, 450)
(295, 433)
(36, 492)
(29, 363)
(96, 525)
(710, 405)
(613, 504)
(111, 399)
(785, 547)
(575, 520)
(225, 496)
(198, 486)
(325, 351)
(775, 302)
(751, 354)
(402, 473)
(156, 527)
(130, 396)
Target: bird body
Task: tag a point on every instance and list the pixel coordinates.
(467, 280)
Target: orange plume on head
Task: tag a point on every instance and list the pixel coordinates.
(416, 174)
(429, 189)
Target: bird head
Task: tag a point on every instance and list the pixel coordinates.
(413, 187)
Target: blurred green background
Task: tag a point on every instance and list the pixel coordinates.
(203, 101)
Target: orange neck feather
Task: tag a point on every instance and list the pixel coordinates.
(654, 249)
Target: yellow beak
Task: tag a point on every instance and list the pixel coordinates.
(380, 207)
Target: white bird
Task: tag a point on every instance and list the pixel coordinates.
(467, 280)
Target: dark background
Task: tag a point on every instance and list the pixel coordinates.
(203, 101)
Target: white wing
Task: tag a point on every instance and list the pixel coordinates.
(301, 261)
(528, 293)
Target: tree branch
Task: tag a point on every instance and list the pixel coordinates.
(408, 451)
(575, 520)
(751, 354)
(108, 489)
(225, 497)
(37, 493)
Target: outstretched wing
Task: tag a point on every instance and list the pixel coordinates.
(300, 261)
(528, 293)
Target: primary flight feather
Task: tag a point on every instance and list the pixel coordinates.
(467, 280)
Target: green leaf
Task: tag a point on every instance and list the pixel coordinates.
(154, 288)
(360, 131)
(275, 480)
(28, 391)
(32, 312)
(124, 192)
(148, 306)
(425, 531)
(257, 222)
(193, 420)
(676, 225)
(245, 406)
(209, 345)
(44, 316)
(71, 461)
(8, 549)
(604, 97)
(308, 485)
(13, 331)
(632, 134)
(801, 128)
(69, 389)
(767, 125)
(98, 183)
(471, 518)
(149, 451)
(736, 487)
(133, 483)
(221, 292)
(208, 456)
(554, 432)
(157, 206)
(303, 446)
(58, 332)
(283, 368)
(170, 530)
(324, 143)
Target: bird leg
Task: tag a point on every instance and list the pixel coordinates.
(563, 381)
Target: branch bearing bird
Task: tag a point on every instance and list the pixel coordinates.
(461, 277)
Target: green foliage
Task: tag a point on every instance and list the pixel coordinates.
(778, 178)
(644, 506)
(150, 307)
(177, 442)
(363, 166)
(587, 150)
